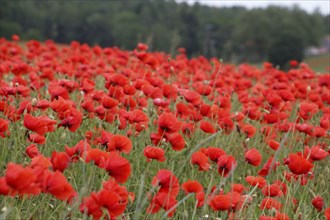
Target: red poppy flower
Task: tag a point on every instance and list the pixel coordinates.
(226, 163)
(112, 202)
(176, 140)
(118, 167)
(91, 207)
(220, 202)
(109, 102)
(307, 110)
(167, 181)
(167, 122)
(4, 187)
(36, 138)
(192, 97)
(40, 125)
(77, 150)
(41, 162)
(207, 127)
(192, 186)
(98, 156)
(249, 130)
(58, 186)
(298, 165)
(256, 180)
(327, 213)
(264, 217)
(269, 203)
(267, 166)
(60, 161)
(88, 105)
(23, 180)
(201, 160)
(253, 157)
(119, 143)
(162, 200)
(213, 153)
(15, 37)
(4, 128)
(142, 46)
(32, 151)
(155, 153)
(115, 187)
(271, 190)
(57, 91)
(236, 187)
(318, 203)
(315, 153)
(72, 120)
(273, 144)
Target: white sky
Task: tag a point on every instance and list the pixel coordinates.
(308, 5)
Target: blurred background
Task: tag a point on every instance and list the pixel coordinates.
(234, 33)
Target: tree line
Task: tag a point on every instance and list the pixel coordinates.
(230, 33)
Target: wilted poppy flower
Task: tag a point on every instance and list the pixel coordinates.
(118, 167)
(253, 157)
(155, 153)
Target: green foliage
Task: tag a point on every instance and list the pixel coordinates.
(287, 46)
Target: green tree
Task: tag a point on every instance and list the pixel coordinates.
(287, 46)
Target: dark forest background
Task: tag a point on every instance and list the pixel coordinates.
(232, 33)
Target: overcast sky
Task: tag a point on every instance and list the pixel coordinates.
(308, 5)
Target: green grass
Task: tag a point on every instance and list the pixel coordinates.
(319, 63)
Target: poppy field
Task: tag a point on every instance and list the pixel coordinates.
(105, 133)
